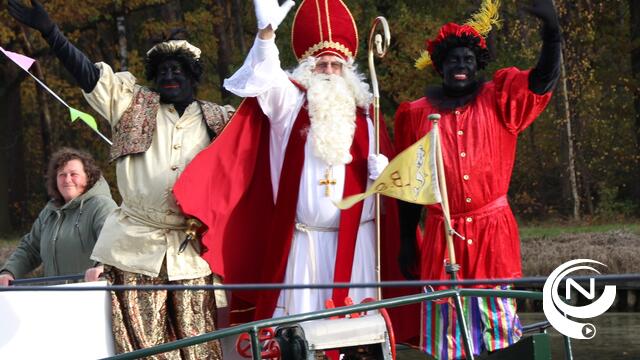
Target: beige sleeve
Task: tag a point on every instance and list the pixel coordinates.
(113, 93)
(223, 114)
(227, 111)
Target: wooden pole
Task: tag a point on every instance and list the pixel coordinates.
(452, 267)
(442, 184)
(376, 42)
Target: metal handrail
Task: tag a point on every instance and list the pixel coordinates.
(599, 279)
(253, 327)
(541, 326)
(48, 279)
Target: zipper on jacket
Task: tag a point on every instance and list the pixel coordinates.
(59, 218)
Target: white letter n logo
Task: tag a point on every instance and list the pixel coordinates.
(572, 283)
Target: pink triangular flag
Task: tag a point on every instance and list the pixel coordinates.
(24, 62)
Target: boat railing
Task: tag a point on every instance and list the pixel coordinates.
(253, 328)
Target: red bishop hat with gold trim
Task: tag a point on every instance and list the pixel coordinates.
(324, 27)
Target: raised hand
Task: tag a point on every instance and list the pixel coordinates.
(269, 12)
(545, 11)
(35, 17)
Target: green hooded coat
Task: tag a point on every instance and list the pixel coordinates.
(62, 237)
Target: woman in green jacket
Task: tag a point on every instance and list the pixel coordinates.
(63, 235)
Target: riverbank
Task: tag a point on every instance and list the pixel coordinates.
(544, 247)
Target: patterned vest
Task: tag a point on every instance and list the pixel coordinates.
(134, 132)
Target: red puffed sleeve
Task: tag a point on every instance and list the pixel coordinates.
(405, 133)
(516, 105)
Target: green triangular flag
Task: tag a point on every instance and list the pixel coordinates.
(88, 119)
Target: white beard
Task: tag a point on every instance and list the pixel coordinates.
(332, 102)
(332, 112)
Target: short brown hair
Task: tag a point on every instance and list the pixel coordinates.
(59, 159)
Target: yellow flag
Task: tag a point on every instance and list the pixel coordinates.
(411, 176)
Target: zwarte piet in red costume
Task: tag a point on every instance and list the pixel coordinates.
(479, 127)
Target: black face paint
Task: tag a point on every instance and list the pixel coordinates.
(174, 83)
(459, 70)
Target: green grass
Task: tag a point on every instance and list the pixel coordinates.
(555, 230)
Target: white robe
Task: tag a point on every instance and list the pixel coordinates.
(313, 253)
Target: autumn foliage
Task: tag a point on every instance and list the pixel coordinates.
(602, 61)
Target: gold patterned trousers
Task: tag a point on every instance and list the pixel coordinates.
(142, 319)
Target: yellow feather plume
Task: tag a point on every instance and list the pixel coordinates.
(483, 20)
(486, 17)
(423, 61)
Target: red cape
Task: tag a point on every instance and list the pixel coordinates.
(227, 186)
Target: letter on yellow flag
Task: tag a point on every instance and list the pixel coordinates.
(411, 176)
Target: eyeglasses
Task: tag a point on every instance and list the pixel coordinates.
(325, 65)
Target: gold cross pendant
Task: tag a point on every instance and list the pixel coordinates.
(327, 181)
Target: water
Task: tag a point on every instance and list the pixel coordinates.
(617, 337)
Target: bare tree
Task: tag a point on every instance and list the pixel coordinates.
(571, 157)
(236, 10)
(9, 103)
(634, 7)
(122, 34)
(43, 105)
(171, 11)
(224, 52)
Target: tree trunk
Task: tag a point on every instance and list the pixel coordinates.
(571, 155)
(634, 7)
(122, 35)
(571, 168)
(236, 10)
(172, 12)
(43, 105)
(9, 117)
(15, 150)
(224, 53)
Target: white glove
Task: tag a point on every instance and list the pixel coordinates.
(376, 165)
(268, 12)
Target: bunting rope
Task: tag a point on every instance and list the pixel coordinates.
(25, 63)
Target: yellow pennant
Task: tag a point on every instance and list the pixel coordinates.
(411, 176)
